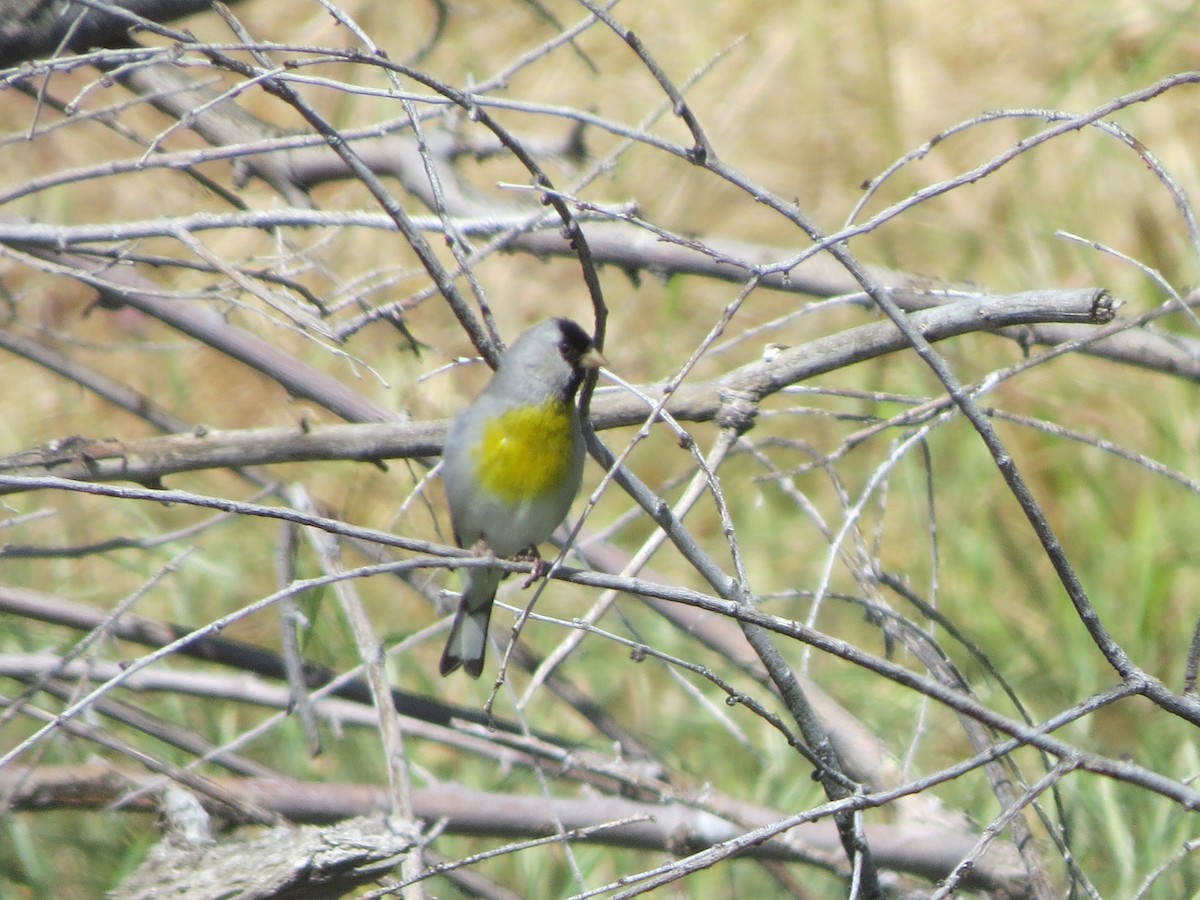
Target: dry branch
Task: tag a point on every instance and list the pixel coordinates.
(148, 462)
(148, 632)
(30, 29)
(281, 863)
(671, 827)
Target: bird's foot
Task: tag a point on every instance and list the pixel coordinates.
(540, 567)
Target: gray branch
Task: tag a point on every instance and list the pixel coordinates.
(30, 29)
(671, 827)
(149, 461)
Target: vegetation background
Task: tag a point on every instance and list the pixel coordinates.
(811, 101)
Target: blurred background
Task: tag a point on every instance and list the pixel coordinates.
(811, 102)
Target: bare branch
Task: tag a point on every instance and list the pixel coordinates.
(31, 28)
(147, 462)
(670, 827)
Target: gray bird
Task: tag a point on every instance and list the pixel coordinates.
(512, 464)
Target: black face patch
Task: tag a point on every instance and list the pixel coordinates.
(573, 342)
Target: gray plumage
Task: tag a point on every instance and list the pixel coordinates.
(547, 362)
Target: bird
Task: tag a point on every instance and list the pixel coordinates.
(512, 463)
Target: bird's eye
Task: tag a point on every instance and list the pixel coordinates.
(574, 343)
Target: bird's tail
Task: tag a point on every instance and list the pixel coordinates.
(467, 643)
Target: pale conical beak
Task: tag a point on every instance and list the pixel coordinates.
(593, 359)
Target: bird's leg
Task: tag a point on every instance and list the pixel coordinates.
(531, 554)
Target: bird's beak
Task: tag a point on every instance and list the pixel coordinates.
(593, 359)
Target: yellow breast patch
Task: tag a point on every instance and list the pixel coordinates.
(526, 453)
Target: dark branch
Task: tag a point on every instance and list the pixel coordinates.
(31, 29)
